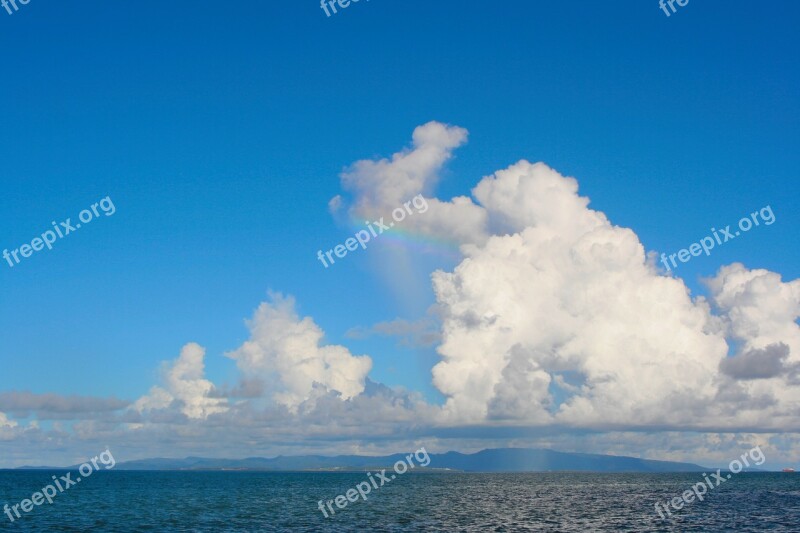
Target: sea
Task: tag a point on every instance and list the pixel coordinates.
(232, 501)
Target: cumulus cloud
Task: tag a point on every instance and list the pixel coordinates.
(5, 422)
(566, 292)
(759, 313)
(185, 386)
(408, 173)
(284, 352)
(554, 323)
(380, 186)
(758, 307)
(557, 316)
(10, 430)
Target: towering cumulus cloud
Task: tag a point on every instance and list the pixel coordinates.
(562, 318)
(186, 386)
(284, 352)
(556, 316)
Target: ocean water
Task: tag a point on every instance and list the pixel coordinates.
(118, 501)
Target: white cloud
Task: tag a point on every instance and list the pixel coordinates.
(186, 385)
(408, 173)
(561, 292)
(9, 429)
(559, 317)
(760, 313)
(284, 352)
(760, 309)
(566, 293)
(529, 195)
(383, 185)
(5, 422)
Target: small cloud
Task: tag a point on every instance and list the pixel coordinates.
(422, 333)
(185, 383)
(56, 406)
(286, 354)
(5, 422)
(358, 333)
(769, 362)
(335, 204)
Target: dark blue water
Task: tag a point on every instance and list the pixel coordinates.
(251, 501)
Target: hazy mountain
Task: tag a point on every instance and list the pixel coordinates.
(494, 460)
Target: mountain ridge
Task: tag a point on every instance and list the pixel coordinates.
(488, 460)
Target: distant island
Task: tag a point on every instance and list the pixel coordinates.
(490, 460)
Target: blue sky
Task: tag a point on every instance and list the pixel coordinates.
(220, 132)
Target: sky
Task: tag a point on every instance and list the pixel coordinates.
(554, 151)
